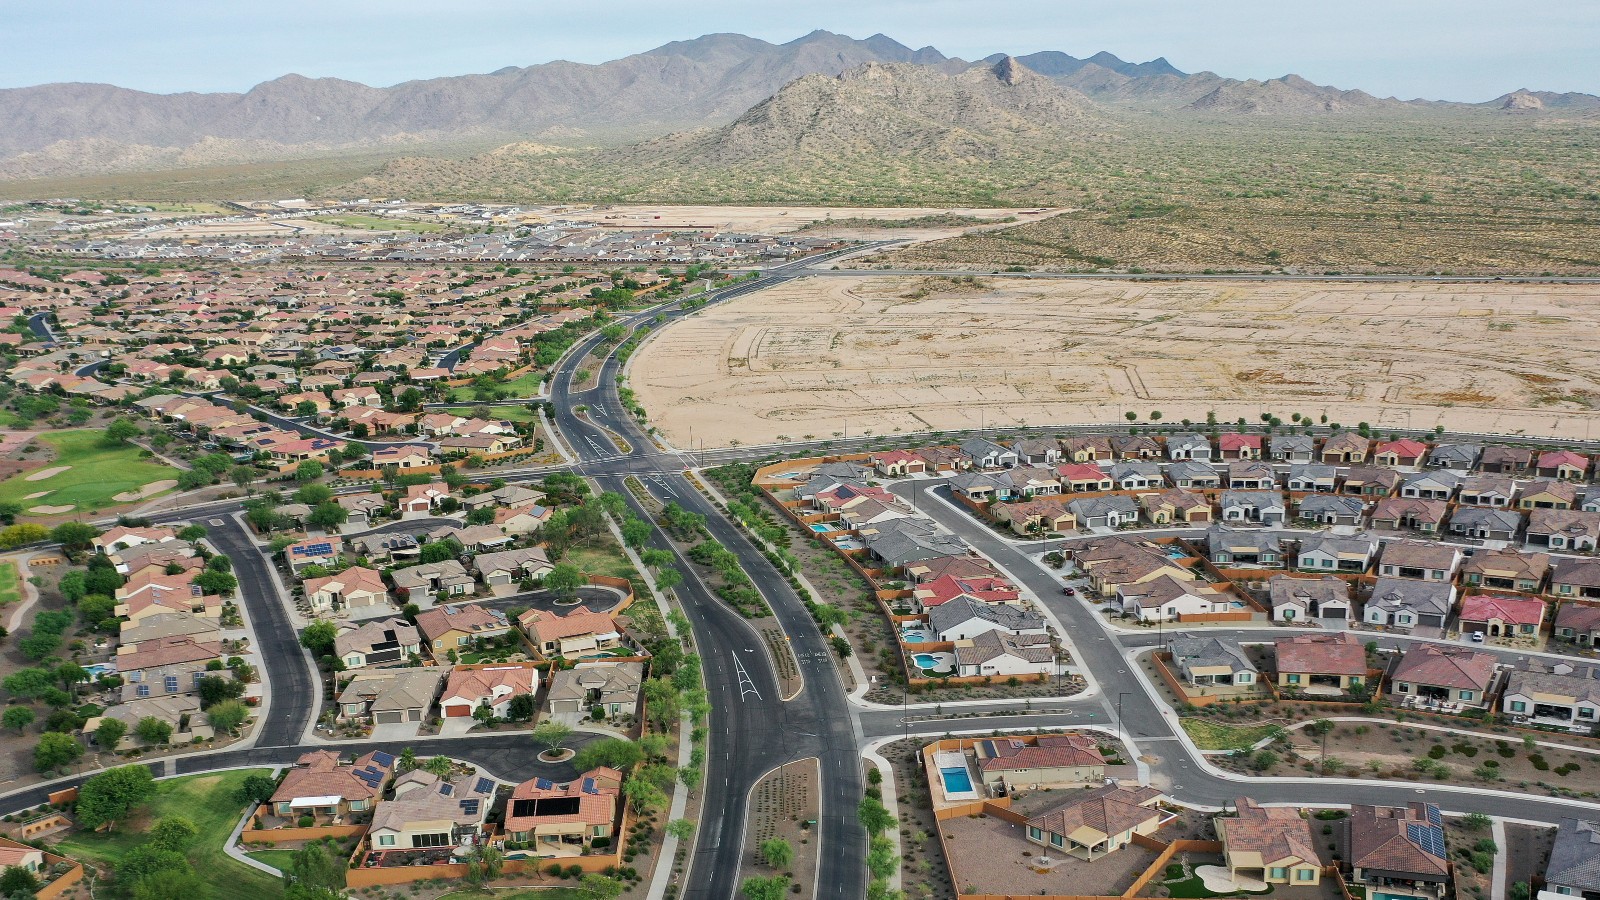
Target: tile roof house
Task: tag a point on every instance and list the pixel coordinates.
(1506, 570)
(456, 626)
(1083, 478)
(1093, 823)
(355, 588)
(1204, 660)
(1430, 485)
(1562, 464)
(1048, 760)
(1564, 529)
(1406, 604)
(428, 811)
(1369, 481)
(1576, 579)
(320, 785)
(1291, 448)
(1175, 505)
(1404, 513)
(1498, 491)
(1326, 552)
(1167, 598)
(376, 642)
(449, 577)
(1563, 695)
(1345, 448)
(507, 567)
(1454, 456)
(1312, 478)
(1257, 507)
(1446, 677)
(1308, 599)
(1403, 452)
(985, 589)
(613, 687)
(1232, 445)
(543, 812)
(1030, 518)
(1321, 663)
(1193, 476)
(1574, 866)
(1189, 446)
(997, 654)
(1418, 559)
(1578, 623)
(389, 696)
(965, 618)
(570, 636)
(492, 685)
(1271, 844)
(1502, 616)
(1240, 548)
(1397, 848)
(1548, 494)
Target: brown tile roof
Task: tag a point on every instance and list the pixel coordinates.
(1322, 654)
(1382, 837)
(319, 774)
(1277, 833)
(1049, 752)
(1109, 810)
(1453, 667)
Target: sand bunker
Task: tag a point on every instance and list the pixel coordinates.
(149, 490)
(827, 356)
(50, 510)
(37, 494)
(42, 474)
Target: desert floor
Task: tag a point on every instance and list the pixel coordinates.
(827, 356)
(785, 219)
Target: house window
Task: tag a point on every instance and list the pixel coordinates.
(1294, 679)
(1279, 872)
(1403, 619)
(1585, 712)
(1467, 695)
(1402, 688)
(1527, 629)
(1305, 874)
(385, 840)
(1438, 574)
(1518, 706)
(441, 839)
(461, 642)
(1035, 833)
(195, 677)
(1057, 841)
(1244, 678)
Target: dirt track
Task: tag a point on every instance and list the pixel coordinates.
(825, 356)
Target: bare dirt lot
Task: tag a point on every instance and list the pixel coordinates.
(843, 222)
(832, 355)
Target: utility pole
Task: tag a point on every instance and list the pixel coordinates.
(1122, 734)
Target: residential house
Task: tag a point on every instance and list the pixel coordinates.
(1572, 870)
(1321, 663)
(1028, 481)
(988, 589)
(449, 577)
(546, 815)
(1441, 676)
(1136, 475)
(1313, 478)
(999, 654)
(1168, 598)
(1252, 507)
(1397, 851)
(1330, 509)
(1112, 511)
(1083, 478)
(524, 519)
(1407, 604)
(457, 626)
(1238, 549)
(903, 542)
(1134, 446)
(1576, 579)
(490, 684)
(903, 463)
(1193, 476)
(1206, 661)
(1043, 761)
(389, 696)
(1461, 457)
(612, 688)
(510, 495)
(1270, 844)
(1562, 465)
(981, 487)
(1032, 518)
(943, 460)
(427, 811)
(1035, 451)
(1578, 623)
(1591, 500)
(377, 642)
(172, 679)
(1497, 491)
(1506, 570)
(1115, 562)
(1562, 695)
(420, 499)
(180, 711)
(1345, 449)
(1309, 599)
(122, 537)
(1402, 452)
(1190, 447)
(387, 547)
(1368, 481)
(1251, 475)
(1564, 529)
(1294, 449)
(1086, 448)
(1173, 506)
(355, 588)
(321, 786)
(323, 551)
(1429, 485)
(1232, 445)
(1502, 616)
(965, 618)
(1091, 824)
(1418, 559)
(409, 456)
(1546, 494)
(572, 636)
(1500, 460)
(1486, 523)
(986, 454)
(509, 567)
(362, 508)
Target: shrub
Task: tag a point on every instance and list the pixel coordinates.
(1437, 751)
(307, 821)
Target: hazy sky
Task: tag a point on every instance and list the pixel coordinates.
(1444, 49)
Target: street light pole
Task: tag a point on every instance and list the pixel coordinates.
(1122, 735)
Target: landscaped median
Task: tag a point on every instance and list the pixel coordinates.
(1208, 735)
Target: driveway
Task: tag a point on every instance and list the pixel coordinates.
(399, 731)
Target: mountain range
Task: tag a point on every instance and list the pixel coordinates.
(722, 94)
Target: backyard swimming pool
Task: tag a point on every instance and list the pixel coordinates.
(956, 781)
(912, 637)
(821, 527)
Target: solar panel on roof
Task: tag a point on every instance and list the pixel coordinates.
(483, 786)
(320, 549)
(1429, 837)
(544, 784)
(383, 759)
(447, 789)
(589, 787)
(1434, 815)
(470, 807)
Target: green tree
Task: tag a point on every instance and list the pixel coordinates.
(757, 888)
(328, 516)
(215, 688)
(145, 860)
(483, 515)
(313, 494)
(255, 789)
(153, 731)
(227, 716)
(635, 532)
(175, 833)
(522, 708)
(16, 881)
(193, 479)
(874, 817)
(29, 684)
(213, 582)
(565, 579)
(551, 734)
(170, 884)
(616, 753)
(682, 829)
(56, 750)
(120, 432)
(242, 476)
(313, 866)
(319, 637)
(310, 470)
(778, 853)
(74, 535)
(438, 765)
(600, 887)
(18, 717)
(109, 733)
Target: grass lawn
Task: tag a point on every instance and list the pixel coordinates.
(1209, 735)
(207, 802)
(97, 475)
(522, 387)
(278, 859)
(10, 586)
(509, 413)
(601, 560)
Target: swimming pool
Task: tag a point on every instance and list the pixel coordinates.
(848, 544)
(1236, 604)
(1175, 553)
(956, 781)
(925, 660)
(821, 527)
(98, 669)
(911, 637)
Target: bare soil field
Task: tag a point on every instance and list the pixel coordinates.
(828, 356)
(852, 222)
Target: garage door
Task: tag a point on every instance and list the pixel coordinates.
(388, 718)
(415, 714)
(457, 711)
